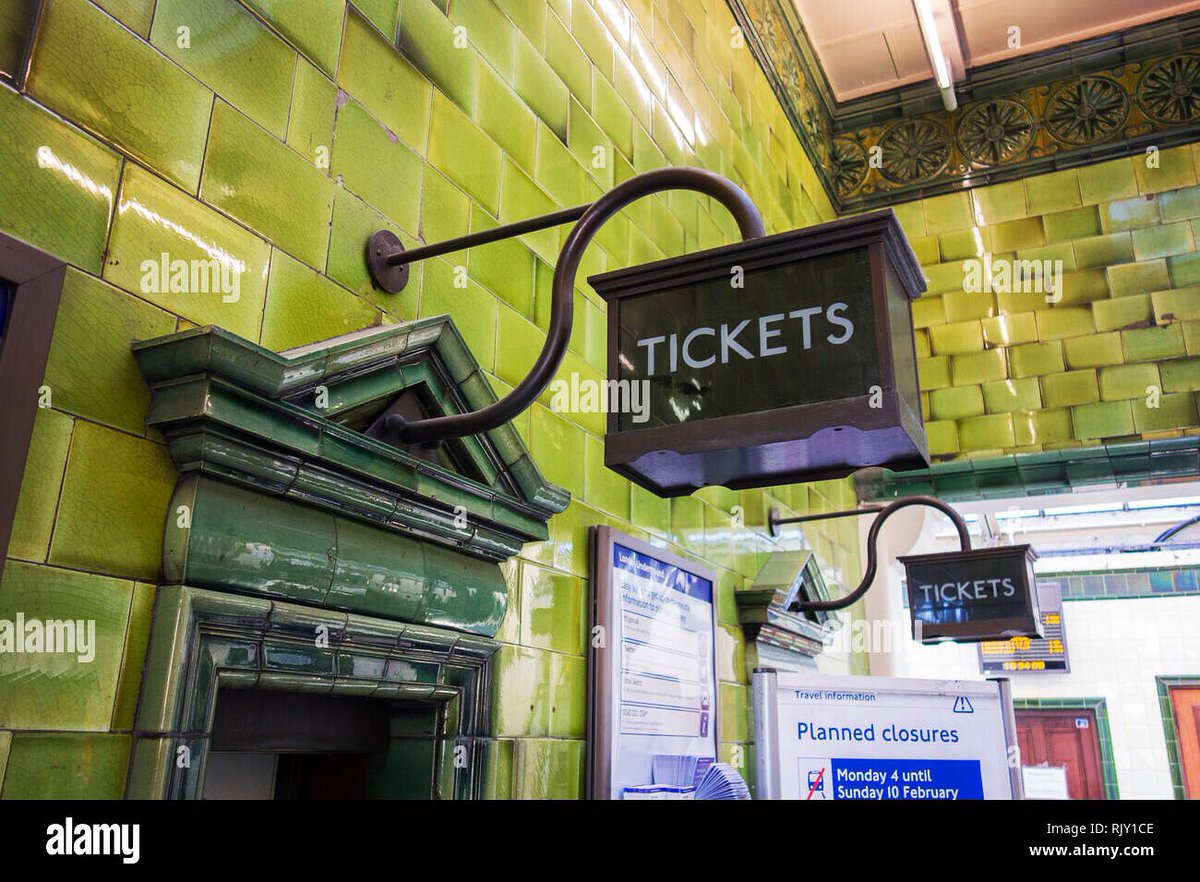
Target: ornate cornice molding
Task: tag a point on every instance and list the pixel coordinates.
(1069, 106)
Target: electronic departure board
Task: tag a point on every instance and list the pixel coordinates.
(1031, 655)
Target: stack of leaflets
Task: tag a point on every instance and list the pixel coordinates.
(659, 791)
(681, 770)
(722, 782)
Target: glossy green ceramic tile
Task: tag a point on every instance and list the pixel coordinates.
(986, 432)
(1070, 388)
(558, 445)
(549, 769)
(1163, 241)
(502, 113)
(134, 14)
(1006, 396)
(257, 180)
(16, 26)
(553, 610)
(233, 53)
(1093, 350)
(956, 338)
(1042, 427)
(1055, 192)
(114, 504)
(1107, 181)
(304, 307)
(604, 488)
(385, 83)
(530, 18)
(375, 167)
(488, 30)
(1127, 381)
(942, 436)
(568, 60)
(1010, 330)
(47, 766)
(568, 709)
(960, 244)
(1170, 412)
(1165, 170)
(1071, 321)
(506, 267)
(155, 219)
(541, 88)
(963, 306)
(1071, 224)
(57, 185)
(590, 145)
(1184, 269)
(64, 690)
(1103, 251)
(137, 636)
(956, 403)
(314, 28)
(428, 40)
(521, 198)
(1128, 214)
(474, 310)
(933, 373)
(928, 312)
(465, 154)
(1018, 234)
(384, 14)
(1182, 304)
(91, 370)
(1107, 420)
(1123, 312)
(314, 106)
(1180, 375)
(1138, 278)
(978, 367)
(999, 203)
(89, 69)
(1153, 344)
(353, 224)
(40, 485)
(1179, 204)
(521, 692)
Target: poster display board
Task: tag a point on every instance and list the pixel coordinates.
(822, 737)
(1032, 655)
(652, 686)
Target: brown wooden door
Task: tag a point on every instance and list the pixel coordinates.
(1185, 704)
(1066, 737)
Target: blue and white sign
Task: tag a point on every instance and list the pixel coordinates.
(823, 737)
(652, 651)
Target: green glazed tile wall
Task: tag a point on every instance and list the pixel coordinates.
(1114, 360)
(275, 137)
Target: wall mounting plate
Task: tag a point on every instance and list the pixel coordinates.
(380, 247)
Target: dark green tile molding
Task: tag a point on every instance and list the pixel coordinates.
(282, 494)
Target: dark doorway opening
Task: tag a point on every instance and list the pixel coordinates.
(304, 746)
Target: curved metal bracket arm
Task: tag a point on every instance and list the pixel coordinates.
(964, 539)
(387, 259)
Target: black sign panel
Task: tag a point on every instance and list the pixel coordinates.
(969, 596)
(776, 360)
(792, 334)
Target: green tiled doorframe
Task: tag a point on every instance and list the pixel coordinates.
(1164, 684)
(203, 641)
(1099, 706)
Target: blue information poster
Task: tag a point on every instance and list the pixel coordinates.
(658, 637)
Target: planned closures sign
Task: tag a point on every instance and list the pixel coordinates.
(842, 737)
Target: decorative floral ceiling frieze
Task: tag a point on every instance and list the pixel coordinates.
(1110, 111)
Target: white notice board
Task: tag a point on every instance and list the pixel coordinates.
(652, 686)
(823, 737)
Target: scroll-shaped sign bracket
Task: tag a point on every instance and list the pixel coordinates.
(882, 512)
(388, 262)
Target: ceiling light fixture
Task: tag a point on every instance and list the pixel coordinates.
(933, 48)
